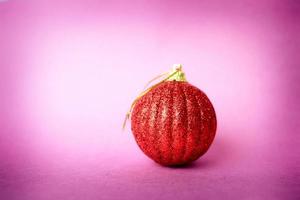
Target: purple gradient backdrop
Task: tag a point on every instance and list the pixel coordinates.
(70, 69)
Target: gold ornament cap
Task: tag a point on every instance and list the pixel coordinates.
(176, 74)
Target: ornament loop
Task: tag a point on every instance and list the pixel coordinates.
(175, 75)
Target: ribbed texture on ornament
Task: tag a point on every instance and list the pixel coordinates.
(174, 123)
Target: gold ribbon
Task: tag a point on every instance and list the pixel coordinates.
(177, 70)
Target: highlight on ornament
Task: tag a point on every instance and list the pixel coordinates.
(173, 122)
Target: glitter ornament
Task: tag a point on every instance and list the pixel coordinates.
(173, 122)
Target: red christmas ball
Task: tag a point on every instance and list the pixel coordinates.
(174, 123)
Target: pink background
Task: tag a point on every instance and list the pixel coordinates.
(70, 69)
